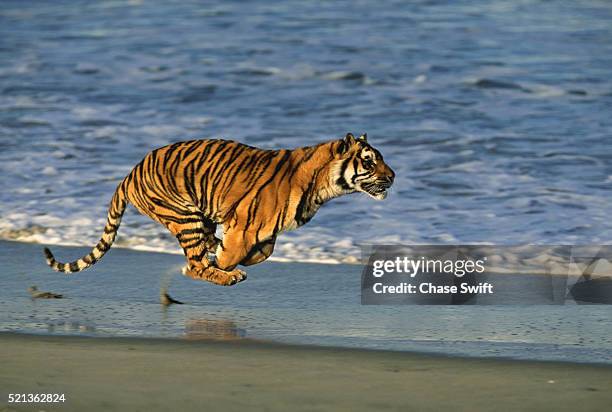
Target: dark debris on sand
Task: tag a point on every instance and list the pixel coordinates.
(166, 299)
(38, 294)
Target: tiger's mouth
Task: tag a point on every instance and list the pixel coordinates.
(377, 190)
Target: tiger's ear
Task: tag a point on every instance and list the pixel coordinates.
(363, 137)
(349, 139)
(346, 143)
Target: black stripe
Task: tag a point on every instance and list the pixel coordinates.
(89, 259)
(301, 207)
(191, 231)
(200, 255)
(175, 208)
(110, 228)
(175, 219)
(194, 242)
(104, 244)
(341, 181)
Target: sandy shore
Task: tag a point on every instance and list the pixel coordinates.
(157, 375)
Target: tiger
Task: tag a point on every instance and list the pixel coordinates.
(254, 194)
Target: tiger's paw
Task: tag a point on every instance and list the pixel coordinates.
(215, 275)
(223, 278)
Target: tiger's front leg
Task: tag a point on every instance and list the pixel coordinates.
(259, 252)
(199, 267)
(233, 248)
(240, 247)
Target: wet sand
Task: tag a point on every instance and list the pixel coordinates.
(134, 374)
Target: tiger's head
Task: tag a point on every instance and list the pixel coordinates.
(361, 168)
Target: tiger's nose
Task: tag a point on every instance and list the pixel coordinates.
(390, 176)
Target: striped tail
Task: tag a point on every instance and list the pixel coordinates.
(115, 212)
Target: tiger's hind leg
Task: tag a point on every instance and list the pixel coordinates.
(197, 240)
(196, 235)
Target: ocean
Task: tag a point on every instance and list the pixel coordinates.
(494, 115)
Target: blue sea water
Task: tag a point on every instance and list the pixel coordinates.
(495, 115)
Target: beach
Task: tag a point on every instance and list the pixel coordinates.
(292, 337)
(98, 374)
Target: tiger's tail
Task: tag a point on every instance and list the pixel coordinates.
(115, 212)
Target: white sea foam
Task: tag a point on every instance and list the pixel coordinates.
(82, 231)
(49, 171)
(421, 78)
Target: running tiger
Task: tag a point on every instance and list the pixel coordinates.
(191, 187)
